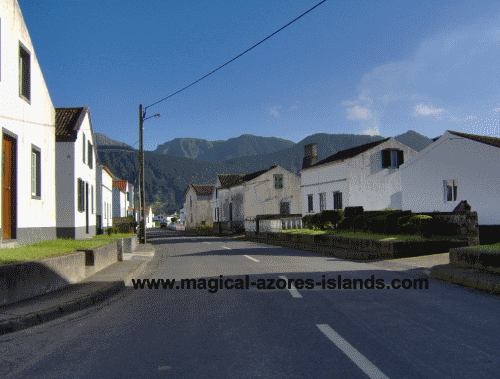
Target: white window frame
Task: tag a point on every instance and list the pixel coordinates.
(36, 172)
(453, 184)
(322, 201)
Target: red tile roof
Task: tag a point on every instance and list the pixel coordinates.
(227, 181)
(68, 122)
(109, 172)
(203, 190)
(120, 184)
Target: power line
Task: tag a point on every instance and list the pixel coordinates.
(246, 51)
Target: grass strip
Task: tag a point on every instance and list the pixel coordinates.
(113, 236)
(46, 249)
(374, 236)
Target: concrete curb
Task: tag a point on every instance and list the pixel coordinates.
(23, 322)
(477, 279)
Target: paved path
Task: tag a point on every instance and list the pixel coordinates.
(445, 331)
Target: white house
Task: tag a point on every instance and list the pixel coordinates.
(182, 215)
(120, 203)
(75, 173)
(198, 205)
(366, 175)
(148, 215)
(267, 192)
(457, 166)
(104, 198)
(27, 124)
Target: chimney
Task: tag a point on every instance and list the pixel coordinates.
(310, 155)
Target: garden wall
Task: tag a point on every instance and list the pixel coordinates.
(382, 249)
(475, 259)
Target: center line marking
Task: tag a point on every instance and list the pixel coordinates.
(249, 257)
(292, 289)
(207, 242)
(224, 247)
(359, 359)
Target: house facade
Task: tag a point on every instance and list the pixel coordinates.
(27, 124)
(366, 175)
(457, 166)
(198, 205)
(148, 215)
(75, 173)
(267, 192)
(104, 198)
(120, 203)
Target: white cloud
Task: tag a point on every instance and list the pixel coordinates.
(424, 110)
(454, 70)
(358, 113)
(371, 131)
(274, 111)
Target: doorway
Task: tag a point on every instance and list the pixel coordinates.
(9, 166)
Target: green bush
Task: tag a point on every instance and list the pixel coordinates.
(307, 221)
(375, 224)
(352, 212)
(333, 216)
(391, 224)
(109, 231)
(444, 227)
(422, 224)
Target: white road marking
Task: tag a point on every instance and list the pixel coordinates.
(207, 242)
(249, 257)
(224, 247)
(292, 290)
(161, 368)
(359, 359)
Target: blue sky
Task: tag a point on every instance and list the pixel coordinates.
(375, 67)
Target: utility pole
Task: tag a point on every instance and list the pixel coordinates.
(142, 185)
(142, 231)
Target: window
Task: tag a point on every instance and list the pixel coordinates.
(92, 197)
(90, 152)
(35, 173)
(285, 208)
(105, 210)
(24, 74)
(190, 201)
(337, 200)
(310, 207)
(451, 190)
(203, 223)
(322, 202)
(81, 195)
(83, 148)
(278, 181)
(392, 158)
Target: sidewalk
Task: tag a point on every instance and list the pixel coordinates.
(77, 296)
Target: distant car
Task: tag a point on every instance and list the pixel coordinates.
(163, 224)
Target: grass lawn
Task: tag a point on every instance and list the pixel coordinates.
(113, 236)
(46, 249)
(378, 237)
(493, 247)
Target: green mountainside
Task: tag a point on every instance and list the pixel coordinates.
(168, 176)
(219, 151)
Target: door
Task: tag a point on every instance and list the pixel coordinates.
(87, 208)
(8, 188)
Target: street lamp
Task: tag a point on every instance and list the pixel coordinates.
(142, 225)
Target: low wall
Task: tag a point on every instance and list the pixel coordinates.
(383, 249)
(23, 280)
(19, 281)
(475, 259)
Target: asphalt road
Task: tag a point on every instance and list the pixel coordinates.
(445, 331)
